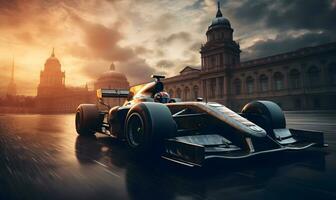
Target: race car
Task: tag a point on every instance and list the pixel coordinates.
(189, 133)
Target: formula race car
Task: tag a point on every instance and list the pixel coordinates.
(189, 133)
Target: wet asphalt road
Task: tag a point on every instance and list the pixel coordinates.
(41, 157)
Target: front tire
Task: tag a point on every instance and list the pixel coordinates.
(266, 114)
(87, 119)
(147, 125)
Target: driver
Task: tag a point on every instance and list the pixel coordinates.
(162, 97)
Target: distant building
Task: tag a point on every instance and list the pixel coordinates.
(112, 80)
(11, 89)
(52, 94)
(297, 80)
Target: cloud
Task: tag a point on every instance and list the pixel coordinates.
(198, 4)
(136, 70)
(141, 50)
(284, 43)
(25, 37)
(302, 14)
(251, 11)
(164, 22)
(195, 47)
(285, 25)
(103, 42)
(165, 63)
(180, 36)
(159, 53)
(94, 68)
(287, 14)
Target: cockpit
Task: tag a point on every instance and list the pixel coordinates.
(152, 92)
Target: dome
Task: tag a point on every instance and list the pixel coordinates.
(112, 79)
(220, 21)
(52, 63)
(112, 75)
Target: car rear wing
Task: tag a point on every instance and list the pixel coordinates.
(112, 93)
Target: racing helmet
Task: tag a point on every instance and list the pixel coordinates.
(162, 97)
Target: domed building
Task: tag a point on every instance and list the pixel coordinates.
(52, 94)
(220, 22)
(220, 42)
(112, 79)
(302, 79)
(52, 78)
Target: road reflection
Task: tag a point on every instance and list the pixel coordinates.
(157, 179)
(41, 157)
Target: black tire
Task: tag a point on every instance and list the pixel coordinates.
(266, 114)
(147, 125)
(87, 119)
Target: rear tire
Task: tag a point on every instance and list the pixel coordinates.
(87, 119)
(147, 125)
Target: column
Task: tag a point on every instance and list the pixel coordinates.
(217, 89)
(204, 89)
(270, 79)
(226, 86)
(286, 85)
(243, 86)
(324, 74)
(303, 77)
(257, 88)
(208, 88)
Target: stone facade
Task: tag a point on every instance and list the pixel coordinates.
(303, 79)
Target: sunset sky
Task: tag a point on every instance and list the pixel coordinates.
(143, 37)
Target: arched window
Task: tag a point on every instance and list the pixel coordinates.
(178, 93)
(313, 76)
(237, 86)
(332, 73)
(186, 93)
(195, 92)
(249, 85)
(278, 81)
(263, 80)
(294, 79)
